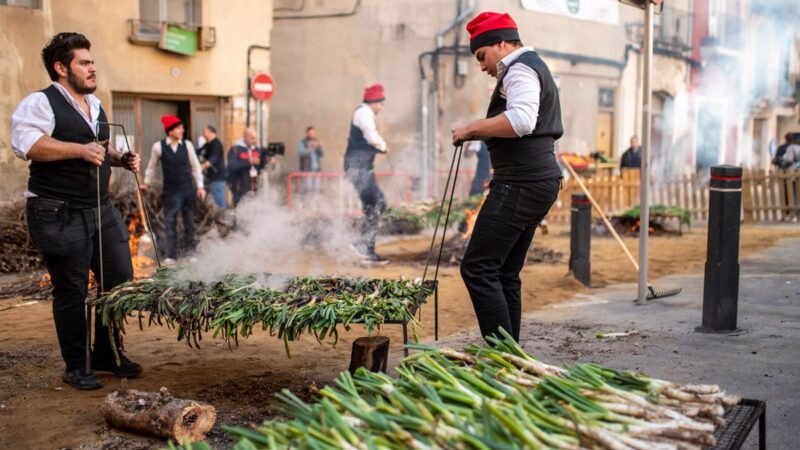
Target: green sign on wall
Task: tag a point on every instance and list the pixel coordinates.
(177, 39)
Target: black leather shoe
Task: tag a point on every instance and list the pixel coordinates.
(126, 368)
(80, 380)
(375, 259)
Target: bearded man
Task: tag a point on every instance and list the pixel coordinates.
(63, 131)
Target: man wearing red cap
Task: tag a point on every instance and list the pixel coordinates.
(362, 146)
(521, 126)
(183, 179)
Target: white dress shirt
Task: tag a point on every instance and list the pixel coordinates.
(155, 161)
(792, 155)
(364, 119)
(34, 118)
(521, 89)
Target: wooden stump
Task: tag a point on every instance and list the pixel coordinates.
(370, 352)
(159, 414)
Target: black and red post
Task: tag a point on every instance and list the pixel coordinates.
(721, 285)
(580, 238)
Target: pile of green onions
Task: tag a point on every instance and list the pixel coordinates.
(494, 397)
(237, 304)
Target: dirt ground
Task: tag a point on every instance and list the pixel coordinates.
(38, 411)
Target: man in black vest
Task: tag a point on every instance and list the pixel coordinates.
(55, 130)
(359, 162)
(183, 179)
(212, 156)
(521, 127)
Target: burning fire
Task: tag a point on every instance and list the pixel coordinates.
(45, 280)
(471, 215)
(637, 226)
(143, 266)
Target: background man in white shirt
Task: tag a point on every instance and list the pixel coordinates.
(62, 130)
(521, 126)
(183, 180)
(359, 162)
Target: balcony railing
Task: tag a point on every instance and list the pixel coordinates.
(673, 31)
(148, 32)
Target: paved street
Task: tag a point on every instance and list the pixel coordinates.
(761, 360)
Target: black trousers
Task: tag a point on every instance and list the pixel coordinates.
(373, 204)
(69, 239)
(238, 195)
(183, 202)
(498, 248)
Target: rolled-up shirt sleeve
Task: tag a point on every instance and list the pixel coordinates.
(32, 119)
(522, 88)
(153, 163)
(364, 119)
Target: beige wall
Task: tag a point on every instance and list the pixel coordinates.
(321, 67)
(124, 67)
(22, 32)
(320, 72)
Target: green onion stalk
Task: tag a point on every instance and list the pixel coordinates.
(494, 397)
(238, 305)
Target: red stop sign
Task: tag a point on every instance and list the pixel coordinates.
(262, 87)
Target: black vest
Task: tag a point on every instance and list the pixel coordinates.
(70, 180)
(360, 154)
(530, 157)
(176, 168)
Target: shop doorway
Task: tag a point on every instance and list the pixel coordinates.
(604, 133)
(140, 114)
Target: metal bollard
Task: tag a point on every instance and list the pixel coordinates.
(721, 284)
(580, 237)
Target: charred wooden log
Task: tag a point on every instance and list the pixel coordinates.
(371, 353)
(159, 414)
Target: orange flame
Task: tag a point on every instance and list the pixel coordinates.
(45, 280)
(471, 216)
(143, 266)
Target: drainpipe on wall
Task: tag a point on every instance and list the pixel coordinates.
(429, 107)
(352, 12)
(423, 89)
(460, 18)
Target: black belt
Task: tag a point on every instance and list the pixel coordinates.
(58, 204)
(65, 209)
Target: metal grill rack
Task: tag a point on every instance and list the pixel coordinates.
(740, 421)
(418, 311)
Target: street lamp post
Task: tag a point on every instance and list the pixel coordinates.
(644, 180)
(649, 7)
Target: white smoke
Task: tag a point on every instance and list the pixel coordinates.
(271, 238)
(711, 124)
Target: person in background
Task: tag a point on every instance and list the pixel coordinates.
(212, 156)
(309, 149)
(359, 163)
(245, 161)
(183, 181)
(791, 160)
(778, 160)
(56, 129)
(632, 158)
(483, 170)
